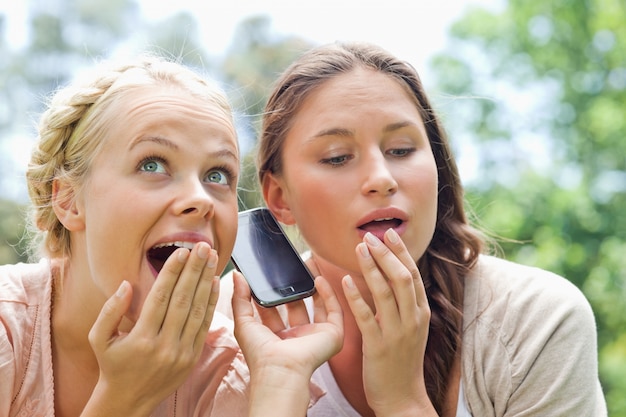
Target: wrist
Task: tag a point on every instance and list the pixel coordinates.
(278, 391)
(407, 410)
(103, 402)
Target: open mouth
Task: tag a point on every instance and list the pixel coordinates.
(380, 226)
(158, 254)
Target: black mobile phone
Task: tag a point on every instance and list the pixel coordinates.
(268, 261)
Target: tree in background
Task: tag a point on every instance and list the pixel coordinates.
(252, 63)
(564, 209)
(63, 37)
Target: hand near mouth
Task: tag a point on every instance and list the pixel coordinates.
(141, 368)
(395, 332)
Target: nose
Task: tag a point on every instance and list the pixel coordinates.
(378, 178)
(194, 199)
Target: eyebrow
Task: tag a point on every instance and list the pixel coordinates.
(154, 139)
(222, 153)
(399, 125)
(226, 153)
(337, 131)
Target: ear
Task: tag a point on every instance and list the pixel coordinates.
(66, 206)
(274, 196)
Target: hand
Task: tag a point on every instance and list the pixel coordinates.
(282, 359)
(138, 370)
(394, 337)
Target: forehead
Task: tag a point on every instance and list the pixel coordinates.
(153, 107)
(360, 86)
(352, 95)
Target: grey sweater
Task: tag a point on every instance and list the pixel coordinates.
(529, 344)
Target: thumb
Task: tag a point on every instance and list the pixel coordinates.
(241, 297)
(108, 321)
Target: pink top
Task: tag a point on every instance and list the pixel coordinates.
(216, 387)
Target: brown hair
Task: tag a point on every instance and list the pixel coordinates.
(74, 126)
(455, 245)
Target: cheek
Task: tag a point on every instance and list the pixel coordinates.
(318, 209)
(323, 221)
(225, 233)
(430, 207)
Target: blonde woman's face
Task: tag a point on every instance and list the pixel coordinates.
(167, 173)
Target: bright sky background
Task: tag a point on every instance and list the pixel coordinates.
(414, 30)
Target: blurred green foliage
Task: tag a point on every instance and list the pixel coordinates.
(565, 63)
(13, 239)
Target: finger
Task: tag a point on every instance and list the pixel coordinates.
(393, 241)
(241, 301)
(200, 306)
(399, 276)
(184, 294)
(319, 304)
(330, 311)
(156, 304)
(297, 313)
(108, 321)
(201, 335)
(271, 318)
(361, 311)
(243, 307)
(382, 292)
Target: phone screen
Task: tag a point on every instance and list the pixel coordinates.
(268, 261)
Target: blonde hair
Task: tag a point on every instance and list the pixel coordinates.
(73, 128)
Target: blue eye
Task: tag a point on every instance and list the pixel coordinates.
(152, 164)
(218, 177)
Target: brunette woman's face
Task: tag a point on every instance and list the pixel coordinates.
(357, 159)
(166, 175)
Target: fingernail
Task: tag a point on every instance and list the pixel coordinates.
(371, 239)
(363, 250)
(212, 262)
(392, 236)
(121, 290)
(203, 251)
(348, 281)
(182, 254)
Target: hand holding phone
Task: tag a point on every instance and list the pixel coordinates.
(268, 261)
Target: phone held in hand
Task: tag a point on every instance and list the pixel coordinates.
(268, 261)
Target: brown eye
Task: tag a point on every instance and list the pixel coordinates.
(336, 160)
(401, 152)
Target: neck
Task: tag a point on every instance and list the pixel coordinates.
(334, 275)
(347, 365)
(73, 315)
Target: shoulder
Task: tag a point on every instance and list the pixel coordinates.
(24, 283)
(514, 303)
(527, 331)
(498, 289)
(25, 357)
